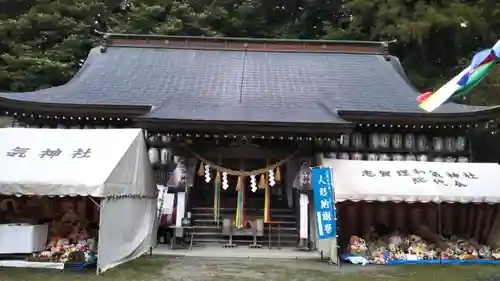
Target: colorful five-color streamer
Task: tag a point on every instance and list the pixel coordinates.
(464, 82)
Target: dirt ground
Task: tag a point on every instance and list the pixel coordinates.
(197, 269)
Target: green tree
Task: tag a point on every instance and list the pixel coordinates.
(45, 42)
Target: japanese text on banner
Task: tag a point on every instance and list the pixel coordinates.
(323, 202)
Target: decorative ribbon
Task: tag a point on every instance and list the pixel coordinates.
(217, 196)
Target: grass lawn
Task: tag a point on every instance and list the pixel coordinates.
(183, 269)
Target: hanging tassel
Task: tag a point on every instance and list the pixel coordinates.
(201, 170)
(239, 184)
(216, 196)
(277, 175)
(262, 181)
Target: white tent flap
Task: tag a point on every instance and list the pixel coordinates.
(400, 181)
(72, 162)
(120, 242)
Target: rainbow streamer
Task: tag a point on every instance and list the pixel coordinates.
(267, 215)
(239, 221)
(217, 196)
(464, 82)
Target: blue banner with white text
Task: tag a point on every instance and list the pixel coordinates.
(322, 184)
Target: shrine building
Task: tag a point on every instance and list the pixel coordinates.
(234, 124)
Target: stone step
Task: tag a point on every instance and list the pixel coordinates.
(260, 240)
(205, 230)
(284, 239)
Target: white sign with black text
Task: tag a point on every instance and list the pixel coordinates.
(415, 181)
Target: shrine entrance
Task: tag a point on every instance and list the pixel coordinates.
(202, 193)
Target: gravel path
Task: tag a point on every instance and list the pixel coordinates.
(198, 269)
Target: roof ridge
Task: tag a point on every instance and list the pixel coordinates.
(235, 43)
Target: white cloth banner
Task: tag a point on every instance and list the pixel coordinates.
(304, 207)
(409, 181)
(181, 208)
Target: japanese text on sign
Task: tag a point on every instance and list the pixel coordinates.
(324, 203)
(48, 153)
(421, 176)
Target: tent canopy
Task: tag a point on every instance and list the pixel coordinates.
(94, 162)
(400, 181)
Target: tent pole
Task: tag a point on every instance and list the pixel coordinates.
(95, 203)
(439, 229)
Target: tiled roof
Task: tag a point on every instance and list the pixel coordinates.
(225, 85)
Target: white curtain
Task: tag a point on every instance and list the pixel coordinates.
(126, 230)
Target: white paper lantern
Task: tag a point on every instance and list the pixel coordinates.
(356, 156)
(437, 144)
(422, 158)
(372, 157)
(460, 143)
(449, 144)
(450, 159)
(409, 141)
(397, 140)
(374, 141)
(438, 159)
(384, 140)
(154, 155)
(397, 157)
(357, 140)
(422, 143)
(165, 156)
(410, 157)
(384, 157)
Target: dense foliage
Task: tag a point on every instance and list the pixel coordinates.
(43, 42)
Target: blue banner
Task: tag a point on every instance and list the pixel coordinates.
(326, 221)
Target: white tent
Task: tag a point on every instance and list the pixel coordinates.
(401, 181)
(111, 164)
(366, 192)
